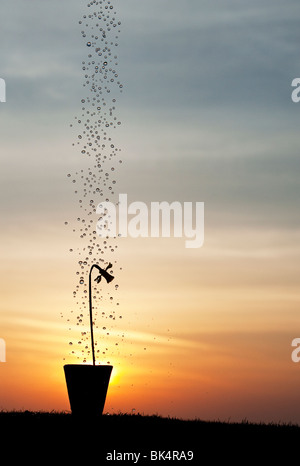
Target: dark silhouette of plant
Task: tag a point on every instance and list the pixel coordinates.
(108, 277)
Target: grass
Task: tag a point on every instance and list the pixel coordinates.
(63, 435)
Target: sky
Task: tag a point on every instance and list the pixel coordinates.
(206, 116)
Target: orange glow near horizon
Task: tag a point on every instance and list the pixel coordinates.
(207, 333)
(209, 352)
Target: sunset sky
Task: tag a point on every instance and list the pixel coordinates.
(207, 116)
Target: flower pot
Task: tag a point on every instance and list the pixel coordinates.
(87, 387)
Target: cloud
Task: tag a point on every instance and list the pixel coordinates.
(201, 55)
(210, 55)
(206, 108)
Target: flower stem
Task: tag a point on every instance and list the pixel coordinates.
(91, 316)
(108, 278)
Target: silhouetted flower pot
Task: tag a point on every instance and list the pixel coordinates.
(87, 388)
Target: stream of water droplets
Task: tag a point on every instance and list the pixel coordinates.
(95, 182)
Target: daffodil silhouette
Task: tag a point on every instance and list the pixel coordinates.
(103, 273)
(108, 277)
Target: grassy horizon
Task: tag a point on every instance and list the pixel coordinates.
(62, 435)
(40, 414)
